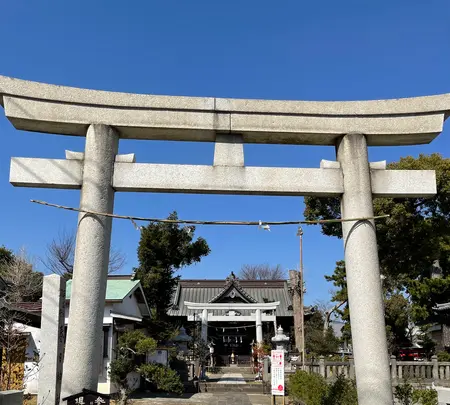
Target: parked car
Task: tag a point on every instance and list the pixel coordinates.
(411, 354)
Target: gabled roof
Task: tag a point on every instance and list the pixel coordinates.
(209, 290)
(116, 289)
(232, 287)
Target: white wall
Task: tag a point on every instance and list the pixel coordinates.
(31, 368)
(106, 314)
(129, 306)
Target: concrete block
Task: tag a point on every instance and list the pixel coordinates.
(12, 397)
(229, 150)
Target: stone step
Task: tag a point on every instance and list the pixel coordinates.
(218, 387)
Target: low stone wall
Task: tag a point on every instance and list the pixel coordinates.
(425, 372)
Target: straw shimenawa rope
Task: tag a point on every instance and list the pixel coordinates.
(200, 222)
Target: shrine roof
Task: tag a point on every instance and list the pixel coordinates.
(261, 291)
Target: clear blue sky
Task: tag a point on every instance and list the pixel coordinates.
(311, 50)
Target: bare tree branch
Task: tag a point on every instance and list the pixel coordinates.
(262, 272)
(328, 314)
(61, 254)
(24, 284)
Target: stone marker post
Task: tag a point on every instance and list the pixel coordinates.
(363, 275)
(259, 334)
(205, 325)
(52, 340)
(87, 301)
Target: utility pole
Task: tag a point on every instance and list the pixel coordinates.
(301, 291)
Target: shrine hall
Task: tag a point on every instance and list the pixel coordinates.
(233, 314)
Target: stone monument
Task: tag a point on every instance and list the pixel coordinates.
(105, 117)
(52, 340)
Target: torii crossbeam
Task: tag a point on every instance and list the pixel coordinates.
(106, 117)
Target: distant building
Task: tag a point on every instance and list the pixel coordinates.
(125, 308)
(440, 332)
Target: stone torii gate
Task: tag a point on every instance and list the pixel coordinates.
(105, 117)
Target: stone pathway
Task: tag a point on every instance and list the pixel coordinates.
(228, 398)
(232, 378)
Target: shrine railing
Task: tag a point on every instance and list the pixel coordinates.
(401, 371)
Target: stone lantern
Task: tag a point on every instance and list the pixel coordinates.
(182, 340)
(280, 340)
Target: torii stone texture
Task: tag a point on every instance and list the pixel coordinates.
(91, 263)
(363, 275)
(52, 340)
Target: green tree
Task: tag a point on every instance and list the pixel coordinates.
(416, 235)
(317, 341)
(339, 295)
(398, 321)
(164, 248)
(130, 347)
(398, 310)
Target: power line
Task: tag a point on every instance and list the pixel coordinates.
(261, 224)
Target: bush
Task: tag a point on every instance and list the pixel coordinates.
(403, 394)
(407, 395)
(341, 392)
(443, 356)
(307, 389)
(425, 397)
(164, 378)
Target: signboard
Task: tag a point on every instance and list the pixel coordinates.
(88, 398)
(277, 372)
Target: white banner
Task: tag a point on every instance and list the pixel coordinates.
(277, 372)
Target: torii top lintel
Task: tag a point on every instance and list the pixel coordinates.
(34, 106)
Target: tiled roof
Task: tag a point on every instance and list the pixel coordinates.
(232, 283)
(31, 307)
(116, 289)
(206, 290)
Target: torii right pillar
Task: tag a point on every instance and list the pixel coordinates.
(363, 274)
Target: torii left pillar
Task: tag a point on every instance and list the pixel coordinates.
(81, 360)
